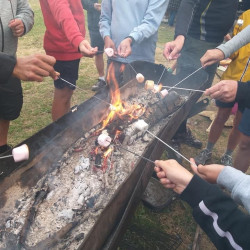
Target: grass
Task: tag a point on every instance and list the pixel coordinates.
(36, 114)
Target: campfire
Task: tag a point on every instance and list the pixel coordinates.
(64, 207)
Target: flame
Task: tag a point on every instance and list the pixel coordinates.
(118, 107)
(108, 152)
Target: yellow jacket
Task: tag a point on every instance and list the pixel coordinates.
(239, 68)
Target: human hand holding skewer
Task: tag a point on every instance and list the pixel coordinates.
(86, 49)
(17, 27)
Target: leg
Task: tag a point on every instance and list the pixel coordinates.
(61, 102)
(99, 64)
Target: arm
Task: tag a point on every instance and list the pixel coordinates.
(183, 20)
(237, 183)
(214, 211)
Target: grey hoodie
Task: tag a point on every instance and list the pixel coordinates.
(21, 10)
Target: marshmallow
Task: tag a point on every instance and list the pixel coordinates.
(140, 125)
(104, 140)
(157, 88)
(20, 153)
(240, 22)
(112, 107)
(140, 78)
(163, 93)
(149, 84)
(109, 52)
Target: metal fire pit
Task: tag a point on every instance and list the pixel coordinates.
(49, 144)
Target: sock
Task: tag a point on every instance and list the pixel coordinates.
(102, 78)
(3, 148)
(210, 146)
(229, 152)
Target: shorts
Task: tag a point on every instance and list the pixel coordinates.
(228, 105)
(244, 126)
(11, 99)
(68, 71)
(96, 41)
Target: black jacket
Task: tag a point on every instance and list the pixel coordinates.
(208, 20)
(7, 64)
(218, 215)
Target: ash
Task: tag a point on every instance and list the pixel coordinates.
(60, 211)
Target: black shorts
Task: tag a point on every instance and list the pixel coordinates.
(96, 40)
(244, 126)
(68, 71)
(228, 105)
(11, 99)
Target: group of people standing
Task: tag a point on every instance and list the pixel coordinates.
(130, 29)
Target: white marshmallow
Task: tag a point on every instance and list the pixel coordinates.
(109, 52)
(104, 140)
(141, 125)
(20, 153)
(164, 92)
(149, 84)
(140, 78)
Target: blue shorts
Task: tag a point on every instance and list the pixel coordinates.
(228, 105)
(96, 40)
(69, 71)
(244, 126)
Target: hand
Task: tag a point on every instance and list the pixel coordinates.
(97, 6)
(124, 49)
(173, 175)
(110, 44)
(211, 56)
(86, 49)
(209, 173)
(172, 49)
(17, 27)
(35, 68)
(225, 90)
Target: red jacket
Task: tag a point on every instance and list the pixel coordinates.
(65, 28)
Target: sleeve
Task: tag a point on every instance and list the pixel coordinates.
(151, 21)
(236, 42)
(60, 9)
(105, 18)
(217, 214)
(237, 183)
(185, 17)
(88, 4)
(25, 13)
(7, 64)
(243, 93)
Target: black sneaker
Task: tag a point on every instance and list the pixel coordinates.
(189, 139)
(99, 85)
(203, 157)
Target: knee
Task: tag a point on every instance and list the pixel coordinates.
(244, 143)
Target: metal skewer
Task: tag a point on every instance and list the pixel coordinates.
(196, 90)
(186, 77)
(84, 90)
(136, 154)
(6, 156)
(12, 10)
(171, 147)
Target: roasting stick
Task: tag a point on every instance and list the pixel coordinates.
(143, 126)
(196, 90)
(136, 154)
(84, 91)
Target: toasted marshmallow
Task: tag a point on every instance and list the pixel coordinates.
(140, 78)
(20, 153)
(104, 140)
(164, 92)
(149, 84)
(109, 52)
(140, 125)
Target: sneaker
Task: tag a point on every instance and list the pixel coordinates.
(99, 85)
(203, 157)
(172, 154)
(189, 139)
(226, 160)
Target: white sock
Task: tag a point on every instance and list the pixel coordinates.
(102, 78)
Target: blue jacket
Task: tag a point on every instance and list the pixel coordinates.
(139, 19)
